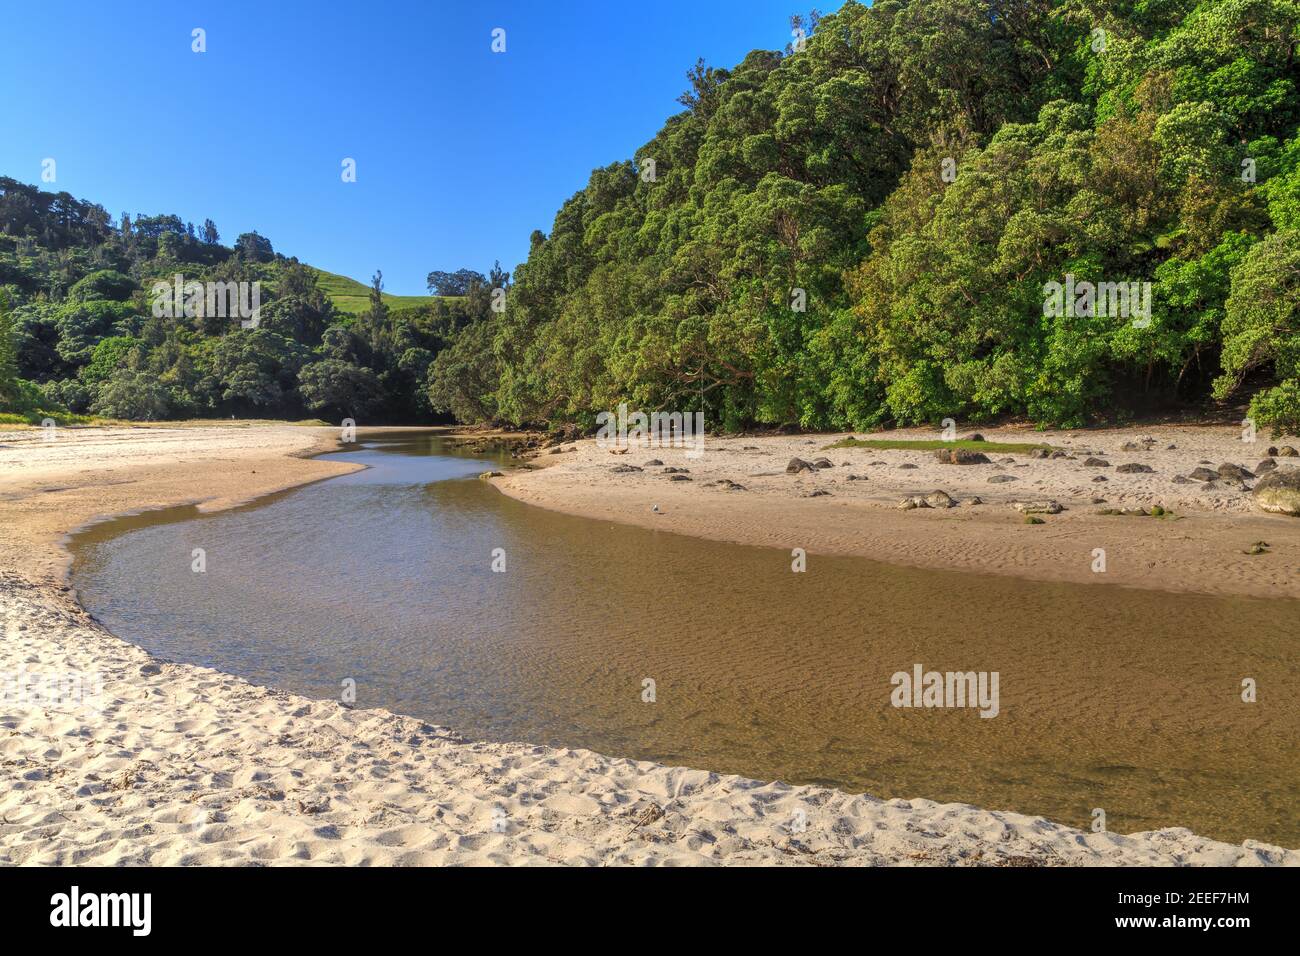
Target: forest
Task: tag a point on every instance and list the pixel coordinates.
(852, 233)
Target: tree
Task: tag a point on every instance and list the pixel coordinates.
(339, 387)
(453, 283)
(209, 233)
(8, 355)
(252, 247)
(132, 395)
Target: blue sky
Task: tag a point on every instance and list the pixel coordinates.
(460, 152)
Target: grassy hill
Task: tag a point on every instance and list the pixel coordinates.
(349, 295)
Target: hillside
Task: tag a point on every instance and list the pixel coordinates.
(353, 297)
(84, 329)
(1059, 210)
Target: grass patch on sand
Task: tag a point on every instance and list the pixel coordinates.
(36, 416)
(1006, 448)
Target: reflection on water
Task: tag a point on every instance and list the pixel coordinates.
(1120, 699)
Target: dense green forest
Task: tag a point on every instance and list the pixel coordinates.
(855, 232)
(79, 331)
(921, 170)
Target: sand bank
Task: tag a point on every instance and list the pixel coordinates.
(852, 507)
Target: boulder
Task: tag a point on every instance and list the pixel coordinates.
(624, 469)
(1278, 492)
(1229, 470)
(1204, 474)
(1040, 453)
(1286, 451)
(940, 499)
(822, 463)
(1039, 507)
(961, 456)
(907, 465)
(797, 465)
(1134, 469)
(1265, 466)
(1096, 463)
(974, 436)
(654, 463)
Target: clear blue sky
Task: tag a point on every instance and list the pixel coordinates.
(460, 152)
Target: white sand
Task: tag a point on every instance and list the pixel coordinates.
(176, 764)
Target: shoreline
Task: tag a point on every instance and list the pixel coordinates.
(1201, 548)
(185, 764)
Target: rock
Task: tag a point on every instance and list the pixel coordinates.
(1006, 461)
(974, 436)
(797, 465)
(1278, 492)
(679, 477)
(1039, 507)
(1204, 474)
(677, 471)
(823, 463)
(496, 474)
(1000, 479)
(625, 469)
(1265, 466)
(1131, 446)
(1030, 519)
(1101, 478)
(1040, 453)
(1180, 480)
(654, 463)
(1229, 470)
(974, 500)
(819, 493)
(907, 504)
(907, 465)
(1098, 501)
(858, 478)
(1286, 451)
(1059, 454)
(1272, 451)
(1171, 447)
(1096, 463)
(961, 456)
(1132, 469)
(940, 499)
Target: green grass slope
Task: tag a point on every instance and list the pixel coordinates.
(351, 296)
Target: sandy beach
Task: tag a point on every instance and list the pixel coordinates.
(164, 763)
(852, 508)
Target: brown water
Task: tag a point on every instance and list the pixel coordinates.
(1121, 699)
